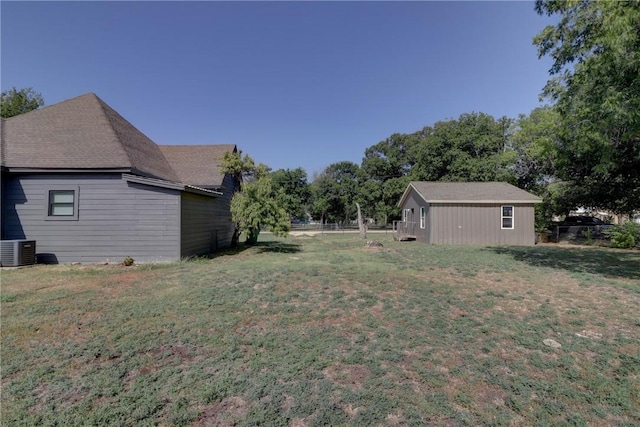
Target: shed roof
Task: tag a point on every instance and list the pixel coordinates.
(469, 192)
(198, 165)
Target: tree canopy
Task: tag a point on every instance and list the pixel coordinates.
(596, 86)
(19, 101)
(335, 192)
(255, 207)
(258, 204)
(471, 148)
(295, 193)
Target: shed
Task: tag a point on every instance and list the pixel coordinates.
(467, 213)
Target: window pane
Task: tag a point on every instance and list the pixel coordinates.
(62, 210)
(507, 211)
(62, 197)
(62, 203)
(507, 222)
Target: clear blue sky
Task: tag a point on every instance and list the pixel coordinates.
(293, 84)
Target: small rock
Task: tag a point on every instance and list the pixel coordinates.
(551, 343)
(373, 244)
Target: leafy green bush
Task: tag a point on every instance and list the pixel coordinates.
(625, 235)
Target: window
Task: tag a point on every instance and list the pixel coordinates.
(422, 217)
(62, 204)
(507, 217)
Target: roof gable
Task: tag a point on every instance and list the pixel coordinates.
(80, 133)
(198, 165)
(469, 192)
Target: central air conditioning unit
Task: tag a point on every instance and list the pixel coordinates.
(14, 253)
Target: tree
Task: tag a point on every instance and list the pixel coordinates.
(238, 166)
(336, 190)
(387, 166)
(255, 205)
(532, 142)
(14, 102)
(295, 194)
(390, 158)
(596, 87)
(471, 148)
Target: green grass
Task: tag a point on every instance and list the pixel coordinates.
(319, 331)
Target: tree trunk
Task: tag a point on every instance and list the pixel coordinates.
(361, 225)
(235, 238)
(252, 235)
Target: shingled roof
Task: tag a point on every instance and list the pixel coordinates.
(469, 192)
(198, 165)
(81, 133)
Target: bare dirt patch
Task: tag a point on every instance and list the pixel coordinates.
(227, 412)
(352, 376)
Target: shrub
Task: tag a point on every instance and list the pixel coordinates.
(625, 235)
(128, 261)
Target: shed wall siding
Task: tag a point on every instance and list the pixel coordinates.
(206, 224)
(115, 218)
(480, 224)
(414, 201)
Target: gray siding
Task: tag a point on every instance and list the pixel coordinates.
(116, 219)
(480, 224)
(205, 223)
(414, 201)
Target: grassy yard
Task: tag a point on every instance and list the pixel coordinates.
(319, 331)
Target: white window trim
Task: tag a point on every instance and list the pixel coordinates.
(422, 217)
(513, 217)
(76, 200)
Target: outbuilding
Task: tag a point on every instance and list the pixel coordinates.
(467, 213)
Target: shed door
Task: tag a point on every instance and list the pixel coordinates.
(409, 222)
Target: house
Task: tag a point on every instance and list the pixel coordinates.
(467, 213)
(88, 186)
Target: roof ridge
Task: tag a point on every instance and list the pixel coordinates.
(115, 121)
(105, 116)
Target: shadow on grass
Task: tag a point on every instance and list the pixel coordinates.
(613, 263)
(285, 248)
(260, 247)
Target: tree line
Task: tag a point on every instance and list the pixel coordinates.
(473, 147)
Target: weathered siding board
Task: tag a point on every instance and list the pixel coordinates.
(197, 225)
(225, 226)
(115, 218)
(415, 202)
(206, 224)
(480, 224)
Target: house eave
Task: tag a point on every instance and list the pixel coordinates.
(201, 191)
(485, 202)
(152, 182)
(170, 185)
(22, 169)
(406, 193)
(454, 201)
